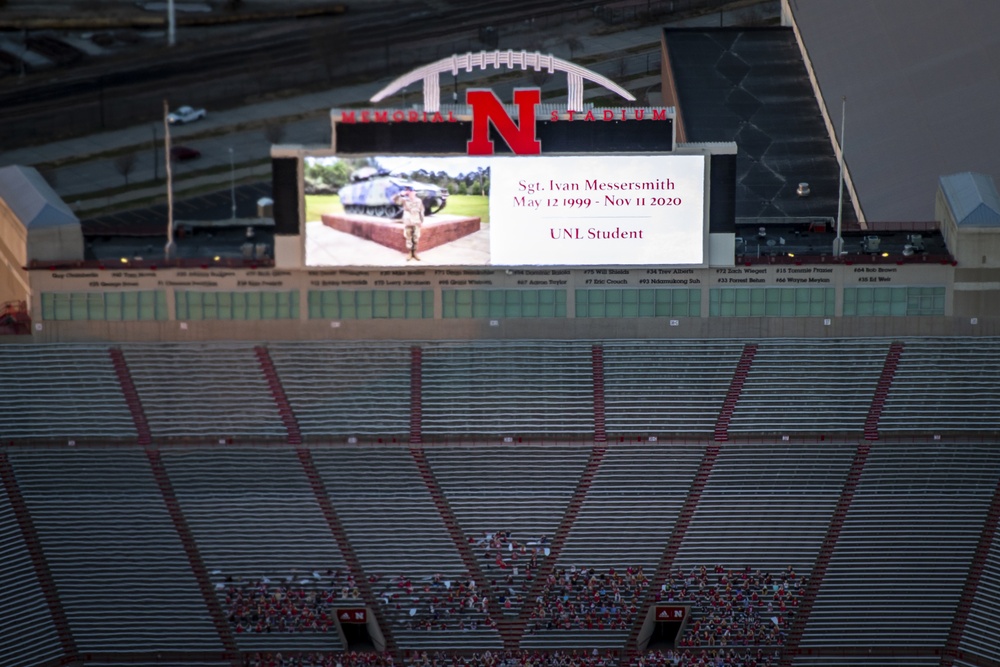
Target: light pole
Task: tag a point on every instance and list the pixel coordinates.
(156, 157)
(838, 243)
(24, 53)
(171, 24)
(232, 181)
(168, 250)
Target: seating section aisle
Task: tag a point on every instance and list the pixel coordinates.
(27, 634)
(766, 507)
(263, 539)
(905, 549)
(982, 629)
(631, 507)
(405, 549)
(509, 503)
(116, 559)
(944, 385)
(514, 388)
(345, 389)
(203, 390)
(666, 386)
(61, 391)
(801, 386)
(623, 524)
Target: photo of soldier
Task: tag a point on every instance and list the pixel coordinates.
(355, 209)
(413, 218)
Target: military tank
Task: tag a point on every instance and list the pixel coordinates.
(370, 192)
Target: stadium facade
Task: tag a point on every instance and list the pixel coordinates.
(719, 434)
(745, 103)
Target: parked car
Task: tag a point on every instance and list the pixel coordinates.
(182, 153)
(185, 115)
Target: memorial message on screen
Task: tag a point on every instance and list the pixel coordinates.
(565, 210)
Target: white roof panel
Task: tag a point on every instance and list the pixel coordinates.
(32, 199)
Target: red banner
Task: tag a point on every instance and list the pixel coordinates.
(359, 615)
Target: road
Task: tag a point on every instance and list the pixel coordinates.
(84, 173)
(80, 180)
(255, 60)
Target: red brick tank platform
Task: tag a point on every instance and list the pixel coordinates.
(437, 229)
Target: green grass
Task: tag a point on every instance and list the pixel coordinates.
(316, 205)
(470, 205)
(475, 206)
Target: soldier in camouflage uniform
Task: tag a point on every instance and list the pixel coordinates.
(413, 218)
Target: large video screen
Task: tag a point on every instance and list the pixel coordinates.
(580, 210)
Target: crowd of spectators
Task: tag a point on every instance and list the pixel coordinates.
(708, 658)
(593, 658)
(590, 658)
(510, 564)
(583, 658)
(586, 599)
(308, 659)
(732, 608)
(292, 603)
(729, 608)
(435, 603)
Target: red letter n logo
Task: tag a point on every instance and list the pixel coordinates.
(486, 109)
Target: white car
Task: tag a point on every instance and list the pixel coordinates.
(185, 115)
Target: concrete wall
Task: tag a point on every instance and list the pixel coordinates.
(14, 283)
(969, 293)
(55, 244)
(745, 328)
(13, 236)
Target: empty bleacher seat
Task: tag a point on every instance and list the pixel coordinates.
(207, 390)
(346, 389)
(945, 385)
(906, 546)
(809, 386)
(661, 386)
(766, 506)
(507, 388)
(27, 633)
(982, 630)
(116, 558)
(631, 506)
(61, 391)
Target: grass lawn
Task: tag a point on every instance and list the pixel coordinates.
(470, 205)
(316, 205)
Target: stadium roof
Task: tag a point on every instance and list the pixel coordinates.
(973, 199)
(751, 86)
(922, 88)
(32, 199)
